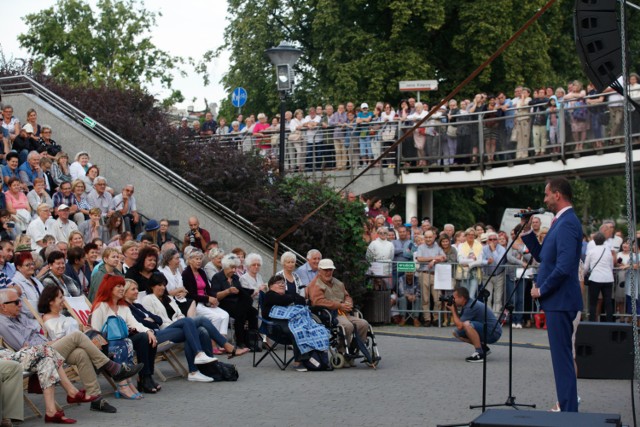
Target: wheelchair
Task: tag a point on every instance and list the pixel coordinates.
(367, 350)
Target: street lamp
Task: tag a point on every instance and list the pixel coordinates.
(283, 57)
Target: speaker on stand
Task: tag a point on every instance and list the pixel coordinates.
(597, 37)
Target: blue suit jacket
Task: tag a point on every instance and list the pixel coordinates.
(559, 258)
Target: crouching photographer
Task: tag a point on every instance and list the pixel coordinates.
(470, 323)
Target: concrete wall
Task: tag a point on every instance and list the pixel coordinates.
(155, 197)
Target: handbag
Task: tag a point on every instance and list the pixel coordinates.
(115, 328)
(452, 131)
(587, 275)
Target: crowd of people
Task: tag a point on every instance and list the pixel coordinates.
(65, 235)
(476, 253)
(514, 126)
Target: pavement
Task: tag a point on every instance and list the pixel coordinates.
(422, 380)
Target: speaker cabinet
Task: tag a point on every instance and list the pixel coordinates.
(597, 37)
(604, 351)
(510, 418)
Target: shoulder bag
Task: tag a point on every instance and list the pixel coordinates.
(587, 275)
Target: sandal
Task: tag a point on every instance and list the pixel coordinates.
(217, 351)
(237, 352)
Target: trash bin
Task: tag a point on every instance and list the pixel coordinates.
(377, 300)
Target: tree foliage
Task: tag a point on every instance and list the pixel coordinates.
(359, 50)
(110, 46)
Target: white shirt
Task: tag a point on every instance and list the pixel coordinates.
(37, 230)
(61, 230)
(76, 170)
(380, 250)
(117, 203)
(174, 281)
(601, 271)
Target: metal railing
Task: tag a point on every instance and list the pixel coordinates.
(483, 140)
(468, 141)
(24, 84)
(386, 276)
(331, 148)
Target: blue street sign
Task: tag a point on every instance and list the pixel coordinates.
(239, 97)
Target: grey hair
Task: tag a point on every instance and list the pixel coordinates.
(43, 127)
(32, 154)
(193, 253)
(214, 252)
(251, 258)
(287, 256)
(230, 260)
(235, 123)
(599, 238)
(312, 252)
(4, 294)
(168, 255)
(99, 178)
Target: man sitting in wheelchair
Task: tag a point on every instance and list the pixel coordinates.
(327, 292)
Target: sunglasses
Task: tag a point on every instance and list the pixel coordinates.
(16, 302)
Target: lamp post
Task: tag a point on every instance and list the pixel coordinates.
(283, 57)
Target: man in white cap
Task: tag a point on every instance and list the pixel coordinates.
(63, 226)
(329, 292)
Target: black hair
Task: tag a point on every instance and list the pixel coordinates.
(49, 293)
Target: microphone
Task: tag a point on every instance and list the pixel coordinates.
(527, 214)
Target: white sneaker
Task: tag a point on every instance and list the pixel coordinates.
(199, 377)
(518, 326)
(203, 359)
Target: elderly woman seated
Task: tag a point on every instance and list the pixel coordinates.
(215, 262)
(199, 289)
(251, 280)
(231, 297)
(56, 277)
(309, 334)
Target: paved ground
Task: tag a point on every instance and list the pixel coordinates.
(422, 381)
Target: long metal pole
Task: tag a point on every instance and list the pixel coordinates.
(283, 96)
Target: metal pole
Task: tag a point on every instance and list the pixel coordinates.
(283, 96)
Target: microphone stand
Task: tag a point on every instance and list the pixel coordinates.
(507, 311)
(484, 293)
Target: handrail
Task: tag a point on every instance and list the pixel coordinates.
(13, 86)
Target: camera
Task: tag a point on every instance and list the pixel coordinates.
(192, 237)
(447, 299)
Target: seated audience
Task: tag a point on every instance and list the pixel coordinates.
(226, 288)
(75, 349)
(199, 289)
(56, 277)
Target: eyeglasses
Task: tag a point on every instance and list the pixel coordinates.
(493, 239)
(29, 264)
(16, 302)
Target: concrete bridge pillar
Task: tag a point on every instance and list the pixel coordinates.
(411, 202)
(427, 204)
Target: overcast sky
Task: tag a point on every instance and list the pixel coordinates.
(186, 28)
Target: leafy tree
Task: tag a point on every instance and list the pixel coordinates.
(110, 46)
(360, 50)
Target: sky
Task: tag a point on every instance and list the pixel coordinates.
(186, 28)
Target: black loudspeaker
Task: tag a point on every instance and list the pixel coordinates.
(597, 35)
(604, 351)
(510, 418)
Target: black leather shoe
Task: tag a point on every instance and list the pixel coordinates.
(101, 405)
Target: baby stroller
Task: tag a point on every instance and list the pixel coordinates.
(359, 349)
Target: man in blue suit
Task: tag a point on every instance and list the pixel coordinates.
(558, 287)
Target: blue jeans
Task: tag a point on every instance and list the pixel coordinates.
(518, 304)
(183, 330)
(202, 323)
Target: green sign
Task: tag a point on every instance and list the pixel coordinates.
(89, 122)
(406, 267)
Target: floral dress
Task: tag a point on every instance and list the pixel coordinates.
(40, 359)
